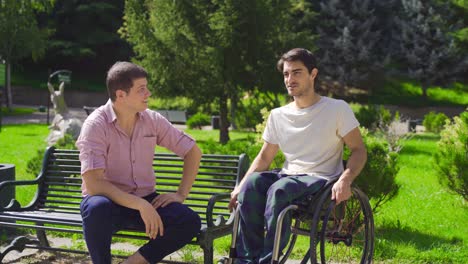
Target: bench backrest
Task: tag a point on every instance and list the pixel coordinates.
(60, 188)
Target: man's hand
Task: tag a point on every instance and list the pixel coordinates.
(341, 191)
(233, 202)
(153, 223)
(164, 199)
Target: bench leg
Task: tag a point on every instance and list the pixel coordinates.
(17, 244)
(42, 237)
(208, 255)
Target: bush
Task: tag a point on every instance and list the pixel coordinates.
(451, 157)
(250, 147)
(373, 117)
(177, 103)
(377, 178)
(34, 165)
(434, 122)
(198, 120)
(248, 112)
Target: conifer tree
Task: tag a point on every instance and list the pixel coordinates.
(426, 49)
(348, 37)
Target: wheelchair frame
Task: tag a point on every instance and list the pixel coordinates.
(340, 227)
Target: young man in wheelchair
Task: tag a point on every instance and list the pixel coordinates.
(310, 131)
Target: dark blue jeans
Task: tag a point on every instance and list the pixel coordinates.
(102, 218)
(261, 199)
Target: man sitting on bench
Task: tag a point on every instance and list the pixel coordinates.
(117, 144)
(310, 131)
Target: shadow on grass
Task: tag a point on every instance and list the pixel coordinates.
(388, 237)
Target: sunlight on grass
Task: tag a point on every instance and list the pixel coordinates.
(425, 223)
(18, 144)
(425, 217)
(16, 111)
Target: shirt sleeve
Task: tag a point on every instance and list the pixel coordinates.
(170, 137)
(270, 133)
(92, 146)
(346, 120)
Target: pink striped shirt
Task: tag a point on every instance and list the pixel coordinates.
(127, 161)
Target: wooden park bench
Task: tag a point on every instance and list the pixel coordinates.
(56, 206)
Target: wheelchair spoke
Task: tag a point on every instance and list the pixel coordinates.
(344, 233)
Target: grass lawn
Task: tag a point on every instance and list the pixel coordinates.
(18, 144)
(425, 223)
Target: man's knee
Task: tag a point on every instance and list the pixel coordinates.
(96, 207)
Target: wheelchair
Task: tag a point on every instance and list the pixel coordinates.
(342, 233)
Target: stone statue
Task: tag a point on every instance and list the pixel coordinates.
(63, 123)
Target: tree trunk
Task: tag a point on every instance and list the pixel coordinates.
(234, 102)
(223, 119)
(424, 87)
(9, 97)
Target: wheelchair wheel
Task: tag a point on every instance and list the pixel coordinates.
(342, 233)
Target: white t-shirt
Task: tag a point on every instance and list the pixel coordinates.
(311, 138)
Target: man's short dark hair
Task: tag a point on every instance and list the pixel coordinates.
(298, 54)
(121, 75)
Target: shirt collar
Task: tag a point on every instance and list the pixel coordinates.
(111, 115)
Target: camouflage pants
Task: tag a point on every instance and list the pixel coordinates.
(261, 200)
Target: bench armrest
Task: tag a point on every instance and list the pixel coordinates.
(209, 210)
(14, 205)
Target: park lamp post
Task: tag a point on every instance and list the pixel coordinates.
(62, 76)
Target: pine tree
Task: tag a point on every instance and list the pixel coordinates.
(348, 38)
(426, 48)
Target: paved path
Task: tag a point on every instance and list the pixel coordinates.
(39, 117)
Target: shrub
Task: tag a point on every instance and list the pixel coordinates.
(198, 120)
(373, 117)
(177, 103)
(451, 157)
(434, 122)
(377, 178)
(248, 112)
(34, 165)
(249, 146)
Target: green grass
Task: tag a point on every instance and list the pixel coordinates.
(16, 111)
(425, 223)
(410, 94)
(18, 144)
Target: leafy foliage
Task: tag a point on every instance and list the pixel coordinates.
(373, 117)
(34, 165)
(85, 35)
(377, 178)
(210, 51)
(451, 158)
(348, 42)
(198, 120)
(434, 122)
(425, 43)
(20, 34)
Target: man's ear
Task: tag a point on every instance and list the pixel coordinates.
(314, 73)
(120, 94)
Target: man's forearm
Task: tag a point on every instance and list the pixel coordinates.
(106, 188)
(190, 171)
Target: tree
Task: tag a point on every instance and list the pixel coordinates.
(348, 39)
(85, 35)
(20, 35)
(427, 52)
(210, 51)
